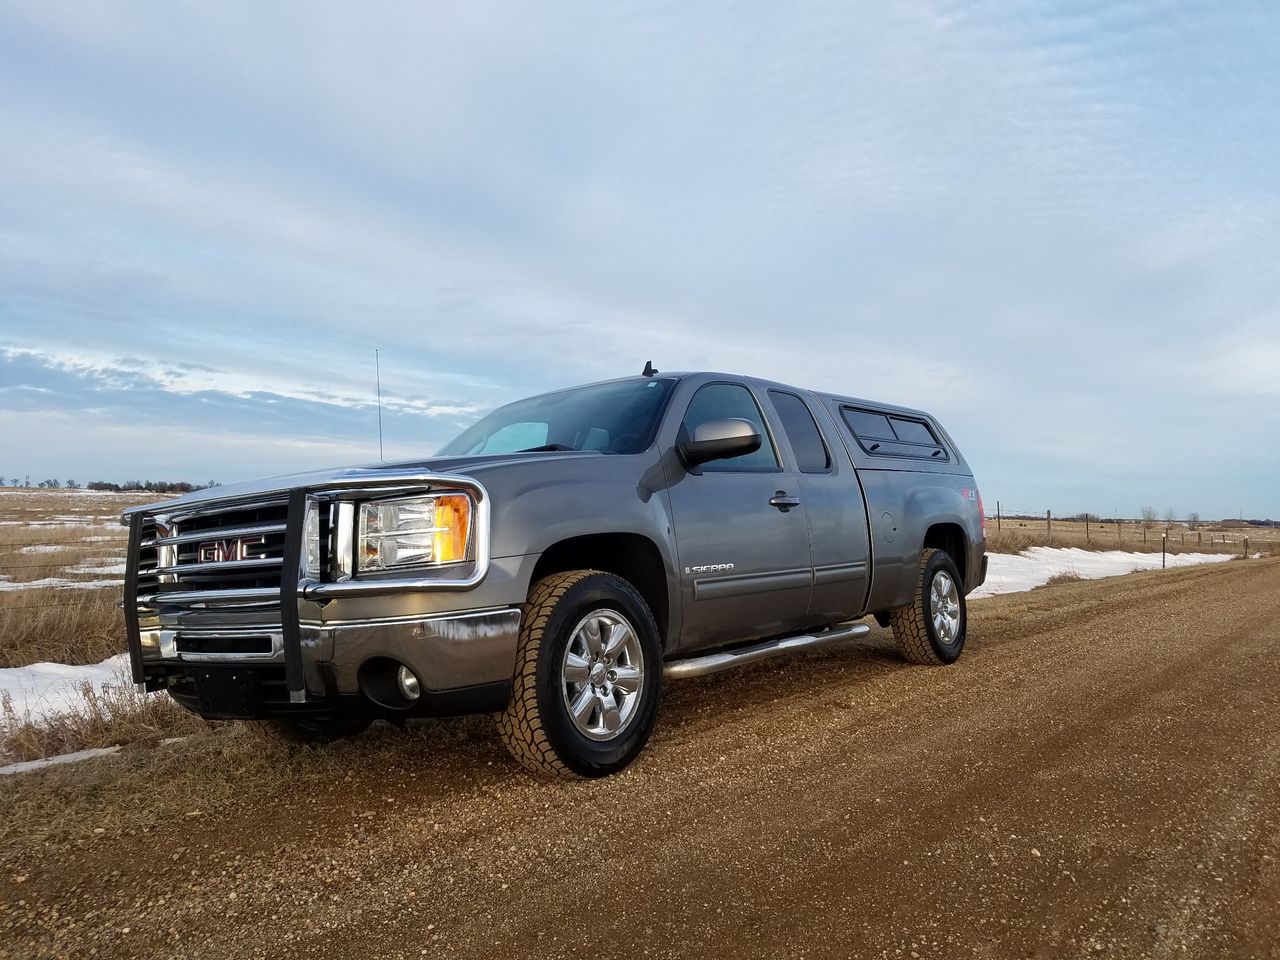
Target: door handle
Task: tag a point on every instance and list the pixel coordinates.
(783, 502)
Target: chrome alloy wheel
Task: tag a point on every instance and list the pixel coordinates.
(602, 674)
(944, 602)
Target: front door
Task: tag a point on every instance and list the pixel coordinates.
(741, 539)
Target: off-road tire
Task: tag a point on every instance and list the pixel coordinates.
(308, 731)
(536, 726)
(913, 628)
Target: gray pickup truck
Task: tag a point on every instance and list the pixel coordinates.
(557, 562)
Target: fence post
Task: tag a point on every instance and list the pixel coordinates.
(1048, 523)
(1086, 527)
(1164, 539)
(997, 516)
(1246, 548)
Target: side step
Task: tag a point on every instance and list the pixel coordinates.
(727, 659)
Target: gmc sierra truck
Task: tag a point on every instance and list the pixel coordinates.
(557, 562)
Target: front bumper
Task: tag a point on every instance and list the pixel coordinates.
(192, 621)
(464, 663)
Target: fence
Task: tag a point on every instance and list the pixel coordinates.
(1185, 534)
(13, 560)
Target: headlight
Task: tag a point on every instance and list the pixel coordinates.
(415, 531)
(310, 560)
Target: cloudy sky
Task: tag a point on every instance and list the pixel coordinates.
(1056, 225)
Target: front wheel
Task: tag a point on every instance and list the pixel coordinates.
(932, 629)
(588, 676)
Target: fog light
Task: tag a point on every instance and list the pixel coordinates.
(408, 683)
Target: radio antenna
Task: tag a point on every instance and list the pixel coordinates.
(377, 374)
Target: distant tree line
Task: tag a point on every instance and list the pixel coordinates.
(142, 486)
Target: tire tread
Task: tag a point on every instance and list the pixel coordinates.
(521, 725)
(911, 623)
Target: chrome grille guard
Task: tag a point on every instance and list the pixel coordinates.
(352, 485)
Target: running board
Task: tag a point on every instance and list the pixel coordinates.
(728, 659)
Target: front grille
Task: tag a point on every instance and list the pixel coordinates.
(233, 548)
(148, 559)
(209, 577)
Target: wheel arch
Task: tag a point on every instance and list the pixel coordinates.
(631, 556)
(949, 536)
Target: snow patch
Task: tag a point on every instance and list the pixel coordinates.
(39, 689)
(26, 766)
(107, 566)
(78, 524)
(1035, 566)
(59, 583)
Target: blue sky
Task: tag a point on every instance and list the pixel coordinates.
(1057, 226)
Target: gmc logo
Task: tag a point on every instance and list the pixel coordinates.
(229, 551)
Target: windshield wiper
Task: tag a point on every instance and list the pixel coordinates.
(546, 448)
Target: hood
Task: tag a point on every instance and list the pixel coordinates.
(466, 466)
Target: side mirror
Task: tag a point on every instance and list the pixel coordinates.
(719, 440)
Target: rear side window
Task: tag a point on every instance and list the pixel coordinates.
(889, 435)
(869, 426)
(730, 401)
(912, 431)
(801, 429)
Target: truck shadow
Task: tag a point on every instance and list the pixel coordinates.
(469, 747)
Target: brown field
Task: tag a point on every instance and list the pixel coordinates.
(52, 540)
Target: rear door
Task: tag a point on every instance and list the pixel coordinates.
(741, 537)
(835, 510)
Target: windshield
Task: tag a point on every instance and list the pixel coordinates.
(617, 417)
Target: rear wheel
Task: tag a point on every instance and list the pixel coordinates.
(588, 676)
(932, 629)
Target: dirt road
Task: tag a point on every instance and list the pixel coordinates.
(1098, 776)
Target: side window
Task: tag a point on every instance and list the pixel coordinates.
(725, 401)
(888, 435)
(801, 429)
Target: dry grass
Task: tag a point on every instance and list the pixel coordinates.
(59, 626)
(139, 788)
(1066, 576)
(111, 715)
(68, 537)
(201, 778)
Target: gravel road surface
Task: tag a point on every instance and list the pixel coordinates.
(1099, 776)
